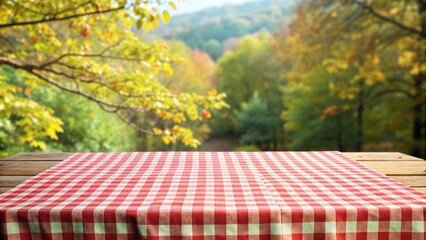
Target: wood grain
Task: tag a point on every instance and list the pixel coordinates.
(381, 156)
(421, 189)
(398, 168)
(39, 157)
(4, 189)
(11, 181)
(24, 168)
(413, 181)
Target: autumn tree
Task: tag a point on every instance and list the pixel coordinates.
(86, 126)
(379, 44)
(252, 68)
(315, 118)
(192, 75)
(87, 48)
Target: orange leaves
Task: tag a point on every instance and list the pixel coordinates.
(329, 112)
(27, 91)
(85, 32)
(333, 110)
(205, 114)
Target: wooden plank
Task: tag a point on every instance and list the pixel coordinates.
(400, 168)
(38, 157)
(25, 168)
(421, 189)
(412, 181)
(381, 156)
(4, 189)
(11, 181)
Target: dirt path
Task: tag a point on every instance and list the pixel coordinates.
(220, 144)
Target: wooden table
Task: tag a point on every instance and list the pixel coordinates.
(404, 168)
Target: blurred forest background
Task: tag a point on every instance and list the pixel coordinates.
(345, 75)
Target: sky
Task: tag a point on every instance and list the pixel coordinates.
(195, 5)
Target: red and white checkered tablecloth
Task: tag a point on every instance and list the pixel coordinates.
(180, 195)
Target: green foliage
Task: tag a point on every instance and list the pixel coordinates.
(251, 68)
(86, 126)
(213, 48)
(256, 126)
(315, 118)
(387, 124)
(247, 148)
(23, 120)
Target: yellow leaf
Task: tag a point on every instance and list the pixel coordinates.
(166, 139)
(178, 118)
(406, 58)
(51, 133)
(173, 5)
(166, 16)
(38, 144)
(57, 43)
(168, 70)
(146, 27)
(127, 22)
(212, 92)
(394, 11)
(415, 70)
(69, 42)
(154, 24)
(157, 131)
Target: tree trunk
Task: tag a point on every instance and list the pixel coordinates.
(417, 118)
(339, 134)
(275, 139)
(360, 116)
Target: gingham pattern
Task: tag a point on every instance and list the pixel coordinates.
(179, 195)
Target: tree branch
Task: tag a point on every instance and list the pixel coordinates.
(387, 92)
(101, 54)
(54, 19)
(32, 69)
(123, 119)
(382, 17)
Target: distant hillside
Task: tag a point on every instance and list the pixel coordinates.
(212, 29)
